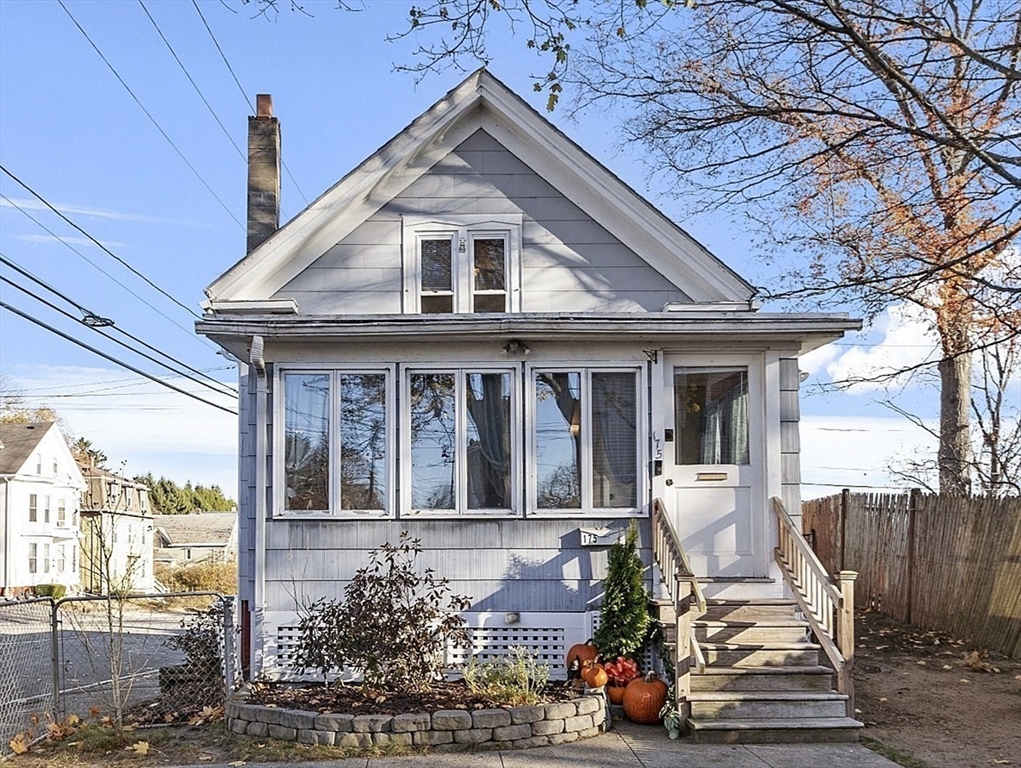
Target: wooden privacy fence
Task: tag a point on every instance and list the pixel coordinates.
(950, 564)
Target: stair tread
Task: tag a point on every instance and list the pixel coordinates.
(751, 601)
(750, 622)
(767, 696)
(764, 646)
(773, 723)
(792, 670)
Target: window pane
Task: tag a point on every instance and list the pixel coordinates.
(362, 441)
(490, 302)
(614, 440)
(307, 441)
(489, 440)
(489, 264)
(558, 440)
(436, 266)
(433, 443)
(435, 304)
(711, 415)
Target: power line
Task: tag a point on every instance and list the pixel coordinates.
(244, 93)
(112, 255)
(112, 359)
(192, 81)
(149, 115)
(190, 332)
(148, 357)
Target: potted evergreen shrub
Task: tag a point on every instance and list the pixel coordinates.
(624, 620)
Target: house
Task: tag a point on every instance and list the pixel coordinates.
(40, 489)
(482, 336)
(117, 531)
(196, 538)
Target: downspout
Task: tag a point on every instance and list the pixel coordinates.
(258, 367)
(7, 536)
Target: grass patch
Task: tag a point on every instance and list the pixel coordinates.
(892, 754)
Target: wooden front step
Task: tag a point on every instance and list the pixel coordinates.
(761, 705)
(763, 679)
(762, 682)
(828, 730)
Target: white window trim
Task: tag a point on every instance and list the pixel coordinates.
(459, 369)
(642, 448)
(466, 227)
(279, 417)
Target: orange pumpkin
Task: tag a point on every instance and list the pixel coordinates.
(594, 675)
(644, 698)
(578, 655)
(616, 694)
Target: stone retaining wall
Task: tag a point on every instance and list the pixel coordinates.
(512, 728)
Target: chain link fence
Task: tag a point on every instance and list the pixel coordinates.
(138, 659)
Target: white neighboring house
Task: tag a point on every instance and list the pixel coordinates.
(195, 538)
(117, 531)
(40, 492)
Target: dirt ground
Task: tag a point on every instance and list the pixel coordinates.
(935, 701)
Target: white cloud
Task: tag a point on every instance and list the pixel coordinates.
(137, 421)
(857, 451)
(907, 340)
(30, 204)
(69, 240)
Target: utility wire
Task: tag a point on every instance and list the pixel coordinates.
(112, 359)
(149, 115)
(190, 332)
(127, 346)
(244, 94)
(192, 81)
(106, 250)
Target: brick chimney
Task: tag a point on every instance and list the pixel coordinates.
(263, 172)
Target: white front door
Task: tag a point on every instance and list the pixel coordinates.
(713, 462)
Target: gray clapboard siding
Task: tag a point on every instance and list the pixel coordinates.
(246, 484)
(569, 262)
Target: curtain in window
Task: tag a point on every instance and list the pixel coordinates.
(489, 427)
(725, 435)
(614, 440)
(307, 441)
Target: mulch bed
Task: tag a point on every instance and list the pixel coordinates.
(353, 699)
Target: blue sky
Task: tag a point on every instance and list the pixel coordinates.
(153, 176)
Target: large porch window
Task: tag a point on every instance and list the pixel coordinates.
(334, 452)
(585, 440)
(462, 441)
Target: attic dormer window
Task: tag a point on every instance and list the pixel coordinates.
(466, 265)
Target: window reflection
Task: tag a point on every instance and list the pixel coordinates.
(711, 415)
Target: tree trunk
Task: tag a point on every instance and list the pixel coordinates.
(954, 432)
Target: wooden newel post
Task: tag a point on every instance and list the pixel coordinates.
(845, 636)
(682, 667)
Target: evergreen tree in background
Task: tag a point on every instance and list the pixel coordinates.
(168, 498)
(624, 620)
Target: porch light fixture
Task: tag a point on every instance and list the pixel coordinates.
(515, 347)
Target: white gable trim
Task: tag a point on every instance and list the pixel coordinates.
(481, 101)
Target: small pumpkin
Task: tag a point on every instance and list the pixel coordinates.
(577, 655)
(615, 693)
(594, 675)
(644, 698)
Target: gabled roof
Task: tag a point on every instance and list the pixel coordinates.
(480, 101)
(17, 443)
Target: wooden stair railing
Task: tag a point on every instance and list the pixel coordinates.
(828, 606)
(683, 587)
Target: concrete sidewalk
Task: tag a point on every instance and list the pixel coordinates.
(628, 746)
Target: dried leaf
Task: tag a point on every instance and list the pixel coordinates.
(883, 698)
(236, 764)
(921, 662)
(140, 748)
(947, 666)
(19, 744)
(1003, 762)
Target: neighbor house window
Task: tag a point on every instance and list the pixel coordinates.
(61, 512)
(38, 463)
(46, 558)
(33, 558)
(46, 509)
(33, 508)
(466, 265)
(711, 415)
(61, 558)
(585, 439)
(462, 435)
(334, 449)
